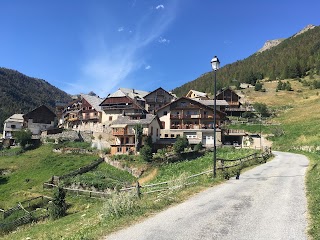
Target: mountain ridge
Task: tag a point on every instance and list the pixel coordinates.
(294, 57)
(20, 93)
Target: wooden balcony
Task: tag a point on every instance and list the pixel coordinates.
(192, 126)
(191, 116)
(122, 132)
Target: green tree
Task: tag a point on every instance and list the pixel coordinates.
(146, 153)
(138, 131)
(258, 86)
(23, 137)
(58, 207)
(180, 144)
(262, 109)
(146, 150)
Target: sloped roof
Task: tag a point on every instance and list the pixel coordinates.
(191, 100)
(125, 120)
(210, 102)
(224, 89)
(133, 93)
(198, 93)
(94, 101)
(173, 95)
(117, 93)
(15, 118)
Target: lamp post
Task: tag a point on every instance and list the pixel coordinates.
(215, 64)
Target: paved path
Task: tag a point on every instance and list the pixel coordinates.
(267, 203)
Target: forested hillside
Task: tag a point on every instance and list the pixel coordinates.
(20, 93)
(294, 57)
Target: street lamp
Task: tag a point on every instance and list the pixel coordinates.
(215, 64)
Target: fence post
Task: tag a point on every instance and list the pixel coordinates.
(138, 188)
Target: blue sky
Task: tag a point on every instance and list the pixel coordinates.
(101, 45)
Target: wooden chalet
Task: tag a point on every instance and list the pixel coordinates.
(157, 98)
(235, 107)
(190, 118)
(120, 103)
(39, 119)
(193, 94)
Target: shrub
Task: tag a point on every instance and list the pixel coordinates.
(146, 153)
(180, 144)
(107, 150)
(23, 137)
(198, 147)
(58, 205)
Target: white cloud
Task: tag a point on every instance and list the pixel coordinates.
(160, 7)
(163, 40)
(111, 61)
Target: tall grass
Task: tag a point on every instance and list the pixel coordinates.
(313, 193)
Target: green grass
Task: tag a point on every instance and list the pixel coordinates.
(31, 169)
(104, 176)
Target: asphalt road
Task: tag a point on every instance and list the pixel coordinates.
(267, 203)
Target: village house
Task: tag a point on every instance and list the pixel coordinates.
(39, 119)
(123, 101)
(157, 98)
(84, 114)
(192, 119)
(193, 94)
(235, 107)
(11, 125)
(123, 129)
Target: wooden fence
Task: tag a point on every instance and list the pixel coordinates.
(79, 192)
(10, 154)
(25, 204)
(224, 165)
(30, 216)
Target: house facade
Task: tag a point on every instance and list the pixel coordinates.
(121, 103)
(84, 114)
(38, 120)
(11, 125)
(123, 130)
(190, 118)
(156, 99)
(235, 107)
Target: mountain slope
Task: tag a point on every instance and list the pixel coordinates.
(20, 93)
(294, 57)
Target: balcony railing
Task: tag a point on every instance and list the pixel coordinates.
(192, 126)
(191, 116)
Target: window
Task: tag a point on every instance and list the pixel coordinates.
(183, 104)
(166, 135)
(110, 118)
(157, 132)
(165, 113)
(151, 130)
(172, 135)
(13, 126)
(119, 149)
